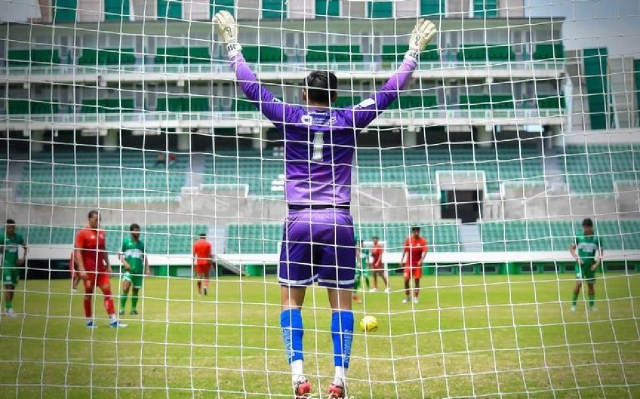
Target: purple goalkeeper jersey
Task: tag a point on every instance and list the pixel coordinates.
(319, 144)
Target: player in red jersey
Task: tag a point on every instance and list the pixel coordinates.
(376, 265)
(415, 249)
(94, 268)
(75, 276)
(202, 261)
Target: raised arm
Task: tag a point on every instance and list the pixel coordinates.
(265, 101)
(368, 110)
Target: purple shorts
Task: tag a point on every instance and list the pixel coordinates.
(318, 245)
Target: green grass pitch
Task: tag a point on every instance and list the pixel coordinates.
(469, 337)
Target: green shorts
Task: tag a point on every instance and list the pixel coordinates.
(134, 278)
(10, 276)
(584, 273)
(364, 271)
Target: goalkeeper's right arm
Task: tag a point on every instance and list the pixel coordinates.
(266, 102)
(365, 112)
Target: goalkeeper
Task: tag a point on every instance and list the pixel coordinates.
(318, 243)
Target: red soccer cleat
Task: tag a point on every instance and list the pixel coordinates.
(302, 388)
(336, 389)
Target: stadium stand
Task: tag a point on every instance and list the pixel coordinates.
(159, 239)
(414, 167)
(108, 56)
(254, 238)
(264, 54)
(594, 168)
(418, 168)
(483, 53)
(546, 51)
(87, 173)
(36, 57)
(243, 167)
(333, 53)
(517, 235)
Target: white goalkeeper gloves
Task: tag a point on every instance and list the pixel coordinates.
(420, 37)
(228, 31)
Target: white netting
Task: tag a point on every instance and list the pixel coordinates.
(506, 138)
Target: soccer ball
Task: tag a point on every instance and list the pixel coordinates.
(369, 324)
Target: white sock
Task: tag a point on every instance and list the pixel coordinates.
(297, 369)
(112, 318)
(340, 373)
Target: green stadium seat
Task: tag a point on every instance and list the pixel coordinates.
(43, 107)
(595, 168)
(481, 53)
(18, 107)
(108, 106)
(555, 235)
(394, 52)
(35, 57)
(551, 102)
(406, 102)
(547, 51)
(199, 55)
(333, 53)
(346, 101)
(171, 55)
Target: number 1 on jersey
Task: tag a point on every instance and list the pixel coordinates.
(318, 144)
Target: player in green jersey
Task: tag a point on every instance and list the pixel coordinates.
(136, 266)
(10, 242)
(362, 269)
(587, 251)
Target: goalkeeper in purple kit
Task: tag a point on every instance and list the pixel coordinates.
(318, 241)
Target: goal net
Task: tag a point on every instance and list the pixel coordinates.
(521, 121)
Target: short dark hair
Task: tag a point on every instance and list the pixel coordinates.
(203, 235)
(92, 213)
(321, 86)
(587, 222)
(375, 238)
(415, 228)
(134, 226)
(11, 222)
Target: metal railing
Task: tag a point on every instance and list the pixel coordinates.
(154, 116)
(218, 67)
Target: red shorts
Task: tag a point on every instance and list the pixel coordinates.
(203, 268)
(412, 272)
(100, 279)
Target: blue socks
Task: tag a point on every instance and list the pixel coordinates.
(292, 333)
(342, 334)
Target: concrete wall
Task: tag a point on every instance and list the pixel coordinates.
(407, 9)
(195, 10)
(618, 136)
(248, 9)
(356, 9)
(511, 8)
(144, 9)
(46, 13)
(302, 9)
(457, 8)
(90, 10)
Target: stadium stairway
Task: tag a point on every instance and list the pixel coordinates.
(217, 236)
(196, 171)
(552, 172)
(470, 237)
